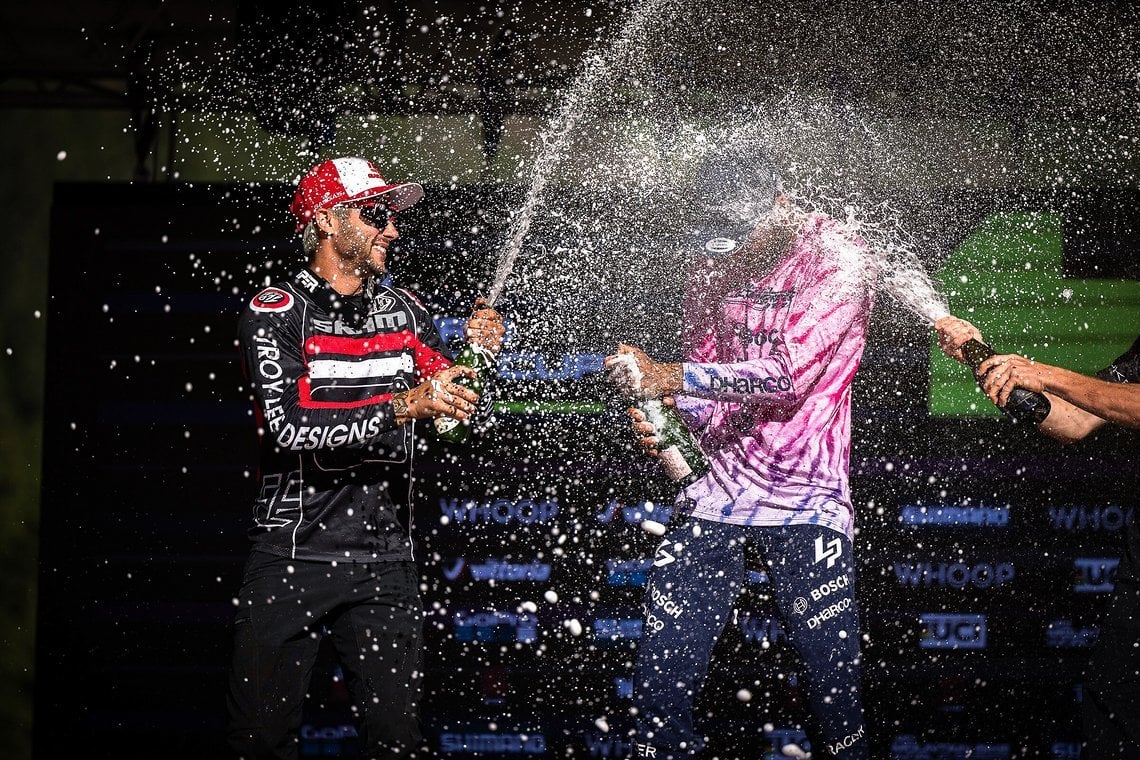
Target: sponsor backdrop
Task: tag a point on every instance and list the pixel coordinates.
(984, 554)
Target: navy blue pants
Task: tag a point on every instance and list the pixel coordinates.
(697, 572)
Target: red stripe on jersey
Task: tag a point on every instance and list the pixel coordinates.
(305, 398)
(338, 344)
(429, 362)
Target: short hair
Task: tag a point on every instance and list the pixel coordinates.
(310, 238)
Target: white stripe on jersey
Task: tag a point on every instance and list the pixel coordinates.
(382, 367)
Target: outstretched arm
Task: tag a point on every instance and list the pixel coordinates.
(1080, 404)
(1085, 402)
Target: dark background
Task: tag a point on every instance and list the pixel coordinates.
(149, 473)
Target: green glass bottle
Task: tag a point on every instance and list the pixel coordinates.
(684, 460)
(1023, 405)
(483, 362)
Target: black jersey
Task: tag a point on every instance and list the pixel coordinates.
(335, 468)
(1126, 369)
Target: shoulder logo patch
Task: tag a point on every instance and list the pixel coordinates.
(271, 299)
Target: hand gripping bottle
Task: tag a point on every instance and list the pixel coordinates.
(483, 362)
(680, 453)
(1023, 405)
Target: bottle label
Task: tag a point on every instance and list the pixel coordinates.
(445, 424)
(675, 465)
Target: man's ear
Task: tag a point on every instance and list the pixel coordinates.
(323, 219)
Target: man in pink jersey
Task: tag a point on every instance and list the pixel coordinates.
(776, 320)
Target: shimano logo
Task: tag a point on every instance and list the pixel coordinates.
(997, 517)
(1062, 634)
(502, 511)
(491, 743)
(956, 575)
(612, 629)
(1093, 575)
(1109, 518)
(830, 587)
(828, 612)
(632, 572)
(494, 625)
(747, 385)
(948, 631)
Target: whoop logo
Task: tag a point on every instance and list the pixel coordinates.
(831, 553)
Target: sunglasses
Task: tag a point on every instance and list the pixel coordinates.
(378, 215)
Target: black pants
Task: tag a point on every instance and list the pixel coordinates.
(697, 573)
(374, 617)
(1110, 709)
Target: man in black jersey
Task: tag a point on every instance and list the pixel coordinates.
(1080, 405)
(341, 364)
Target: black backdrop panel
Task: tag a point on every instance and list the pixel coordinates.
(985, 553)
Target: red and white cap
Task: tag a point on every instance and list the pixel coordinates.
(345, 180)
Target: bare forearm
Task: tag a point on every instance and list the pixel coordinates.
(1114, 402)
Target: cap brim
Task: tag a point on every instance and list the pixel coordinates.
(401, 197)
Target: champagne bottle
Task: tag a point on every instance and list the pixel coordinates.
(482, 361)
(1022, 405)
(684, 460)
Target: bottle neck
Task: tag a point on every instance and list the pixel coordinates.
(975, 352)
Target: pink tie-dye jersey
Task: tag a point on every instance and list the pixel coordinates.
(767, 384)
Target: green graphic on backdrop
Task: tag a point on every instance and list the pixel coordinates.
(1007, 278)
